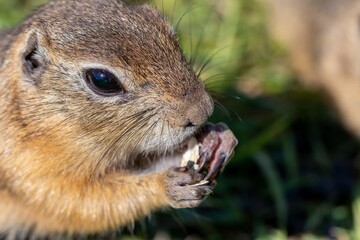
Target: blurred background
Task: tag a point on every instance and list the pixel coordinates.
(295, 172)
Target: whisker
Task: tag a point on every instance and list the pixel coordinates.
(219, 105)
(222, 108)
(225, 96)
(215, 76)
(106, 155)
(205, 64)
(134, 117)
(173, 11)
(187, 11)
(162, 7)
(194, 55)
(145, 133)
(136, 125)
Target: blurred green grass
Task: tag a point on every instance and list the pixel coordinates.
(294, 175)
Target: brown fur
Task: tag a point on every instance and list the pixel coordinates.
(65, 152)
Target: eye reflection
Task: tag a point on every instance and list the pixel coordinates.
(103, 82)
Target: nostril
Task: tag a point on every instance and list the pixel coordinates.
(189, 124)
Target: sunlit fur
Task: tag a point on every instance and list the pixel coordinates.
(72, 161)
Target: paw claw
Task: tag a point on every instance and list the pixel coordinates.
(218, 144)
(182, 189)
(187, 187)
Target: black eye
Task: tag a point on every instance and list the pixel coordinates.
(103, 82)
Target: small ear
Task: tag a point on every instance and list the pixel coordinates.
(33, 58)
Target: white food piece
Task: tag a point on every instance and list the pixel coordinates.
(203, 182)
(192, 153)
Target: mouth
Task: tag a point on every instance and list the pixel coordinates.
(206, 151)
(209, 151)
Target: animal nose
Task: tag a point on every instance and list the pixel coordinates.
(198, 112)
(189, 124)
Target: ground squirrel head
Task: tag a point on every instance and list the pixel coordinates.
(105, 75)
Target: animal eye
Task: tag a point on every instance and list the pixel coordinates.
(103, 82)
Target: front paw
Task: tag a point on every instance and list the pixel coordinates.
(189, 185)
(217, 147)
(185, 187)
